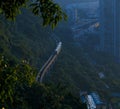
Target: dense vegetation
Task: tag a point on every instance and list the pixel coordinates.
(79, 65)
(19, 90)
(50, 12)
(26, 41)
(72, 68)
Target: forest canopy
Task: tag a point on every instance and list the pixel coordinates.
(50, 11)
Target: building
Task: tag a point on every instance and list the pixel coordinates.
(98, 102)
(101, 75)
(92, 100)
(110, 27)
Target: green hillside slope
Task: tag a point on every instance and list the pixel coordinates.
(26, 39)
(79, 66)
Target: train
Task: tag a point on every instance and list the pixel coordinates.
(58, 48)
(49, 62)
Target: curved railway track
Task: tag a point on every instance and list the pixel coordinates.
(48, 63)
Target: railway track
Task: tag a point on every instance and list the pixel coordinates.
(48, 63)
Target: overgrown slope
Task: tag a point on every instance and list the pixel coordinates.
(79, 66)
(26, 39)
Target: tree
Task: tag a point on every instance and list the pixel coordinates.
(44, 96)
(47, 9)
(14, 79)
(7, 81)
(19, 90)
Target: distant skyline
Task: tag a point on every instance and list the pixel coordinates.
(110, 27)
(65, 2)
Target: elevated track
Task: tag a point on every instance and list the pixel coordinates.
(48, 63)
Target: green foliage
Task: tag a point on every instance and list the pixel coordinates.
(26, 39)
(7, 81)
(50, 12)
(25, 74)
(11, 8)
(19, 90)
(47, 9)
(12, 78)
(52, 97)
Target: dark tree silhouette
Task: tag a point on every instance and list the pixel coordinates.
(47, 9)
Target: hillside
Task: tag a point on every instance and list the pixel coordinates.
(33, 43)
(26, 39)
(76, 66)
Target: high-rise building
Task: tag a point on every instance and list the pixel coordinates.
(110, 27)
(117, 28)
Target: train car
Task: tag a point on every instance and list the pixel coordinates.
(57, 50)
